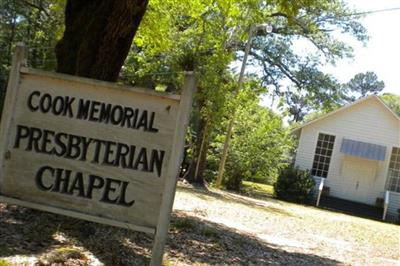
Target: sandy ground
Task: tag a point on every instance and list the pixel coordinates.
(207, 228)
(336, 238)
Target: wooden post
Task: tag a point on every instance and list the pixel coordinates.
(320, 188)
(385, 205)
(18, 61)
(173, 168)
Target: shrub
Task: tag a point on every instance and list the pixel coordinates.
(259, 146)
(184, 223)
(294, 185)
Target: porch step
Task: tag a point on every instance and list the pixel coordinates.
(351, 207)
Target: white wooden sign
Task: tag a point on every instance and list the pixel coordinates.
(92, 149)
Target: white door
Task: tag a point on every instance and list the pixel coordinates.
(358, 176)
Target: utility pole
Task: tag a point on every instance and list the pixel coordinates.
(253, 29)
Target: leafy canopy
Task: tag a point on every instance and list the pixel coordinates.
(364, 84)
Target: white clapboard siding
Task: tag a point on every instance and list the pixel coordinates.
(367, 121)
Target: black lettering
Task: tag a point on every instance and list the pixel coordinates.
(46, 140)
(73, 147)
(85, 144)
(77, 184)
(60, 144)
(45, 103)
(143, 121)
(105, 113)
(122, 201)
(30, 103)
(107, 152)
(142, 159)
(34, 138)
(151, 123)
(121, 154)
(22, 132)
(132, 152)
(39, 177)
(135, 117)
(94, 110)
(97, 150)
(68, 106)
(107, 188)
(117, 115)
(156, 160)
(95, 182)
(62, 178)
(83, 109)
(58, 105)
(128, 114)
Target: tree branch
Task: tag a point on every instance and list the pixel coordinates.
(38, 7)
(285, 70)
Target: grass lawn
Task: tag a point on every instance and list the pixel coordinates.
(252, 188)
(207, 228)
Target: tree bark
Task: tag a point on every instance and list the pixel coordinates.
(98, 35)
(196, 170)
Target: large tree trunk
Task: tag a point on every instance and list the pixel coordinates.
(98, 35)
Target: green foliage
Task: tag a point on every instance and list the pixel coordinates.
(393, 101)
(207, 37)
(257, 190)
(259, 145)
(294, 185)
(36, 23)
(4, 263)
(295, 76)
(363, 84)
(184, 223)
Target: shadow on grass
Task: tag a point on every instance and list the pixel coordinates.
(30, 232)
(211, 243)
(191, 240)
(230, 197)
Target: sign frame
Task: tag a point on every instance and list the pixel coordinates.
(168, 192)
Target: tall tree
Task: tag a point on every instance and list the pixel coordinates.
(295, 75)
(212, 34)
(98, 36)
(364, 84)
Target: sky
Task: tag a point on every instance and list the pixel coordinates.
(382, 52)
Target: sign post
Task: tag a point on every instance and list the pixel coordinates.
(93, 150)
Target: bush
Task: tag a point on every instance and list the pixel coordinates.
(259, 145)
(233, 181)
(294, 185)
